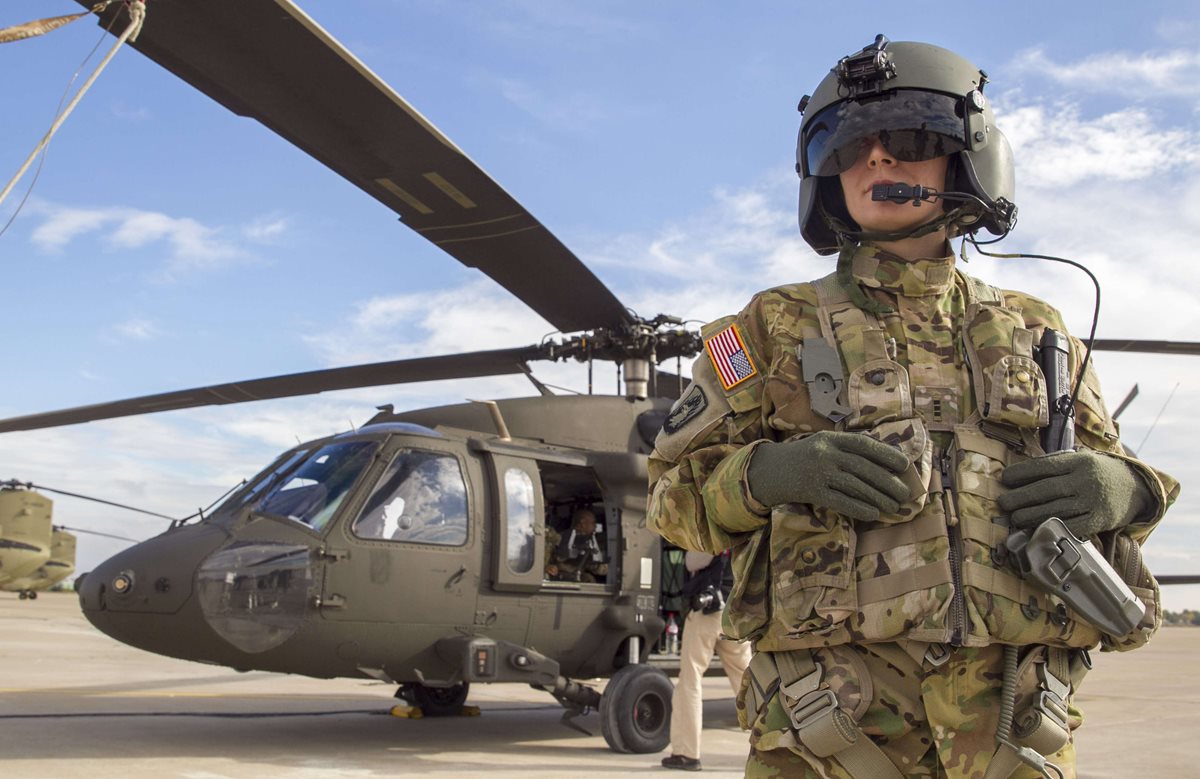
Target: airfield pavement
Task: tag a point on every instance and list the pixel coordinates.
(74, 703)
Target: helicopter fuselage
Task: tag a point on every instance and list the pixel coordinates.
(384, 552)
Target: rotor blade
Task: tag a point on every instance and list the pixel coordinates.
(453, 366)
(97, 533)
(1133, 393)
(269, 61)
(1151, 347)
(1183, 578)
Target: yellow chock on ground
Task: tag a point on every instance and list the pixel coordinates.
(469, 711)
(407, 712)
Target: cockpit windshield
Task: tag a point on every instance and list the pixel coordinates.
(269, 477)
(312, 493)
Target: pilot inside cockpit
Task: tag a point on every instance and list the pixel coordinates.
(578, 556)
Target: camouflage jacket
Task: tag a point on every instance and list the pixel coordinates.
(945, 373)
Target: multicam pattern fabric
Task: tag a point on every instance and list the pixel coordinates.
(928, 723)
(948, 376)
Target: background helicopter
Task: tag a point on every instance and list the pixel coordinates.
(571, 291)
(35, 554)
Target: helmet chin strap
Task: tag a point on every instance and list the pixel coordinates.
(850, 239)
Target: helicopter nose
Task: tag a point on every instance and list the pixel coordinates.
(137, 596)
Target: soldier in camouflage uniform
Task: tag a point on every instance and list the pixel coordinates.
(865, 443)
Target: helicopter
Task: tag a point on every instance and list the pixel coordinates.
(412, 549)
(58, 566)
(36, 554)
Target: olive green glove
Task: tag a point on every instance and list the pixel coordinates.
(849, 473)
(1089, 491)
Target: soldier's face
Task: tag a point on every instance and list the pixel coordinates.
(585, 525)
(876, 165)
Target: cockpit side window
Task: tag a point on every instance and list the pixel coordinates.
(421, 498)
(312, 493)
(518, 492)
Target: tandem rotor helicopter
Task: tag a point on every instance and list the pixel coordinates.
(413, 550)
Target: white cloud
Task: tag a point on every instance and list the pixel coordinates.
(136, 330)
(190, 246)
(474, 317)
(1131, 74)
(266, 228)
(1057, 147)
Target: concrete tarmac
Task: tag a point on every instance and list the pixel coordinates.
(74, 703)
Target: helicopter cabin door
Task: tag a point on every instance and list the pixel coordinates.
(518, 552)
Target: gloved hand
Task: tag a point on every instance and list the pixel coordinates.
(1090, 492)
(850, 473)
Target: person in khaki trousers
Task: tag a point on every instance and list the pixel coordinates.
(707, 592)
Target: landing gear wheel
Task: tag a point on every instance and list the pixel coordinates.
(32, 595)
(635, 710)
(440, 701)
(22, 595)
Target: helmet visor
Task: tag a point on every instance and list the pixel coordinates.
(912, 125)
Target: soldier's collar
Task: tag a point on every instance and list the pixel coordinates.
(878, 269)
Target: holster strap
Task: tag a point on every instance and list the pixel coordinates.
(818, 720)
(1042, 726)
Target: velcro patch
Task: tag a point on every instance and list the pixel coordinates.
(730, 357)
(686, 409)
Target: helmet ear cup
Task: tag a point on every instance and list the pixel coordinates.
(988, 174)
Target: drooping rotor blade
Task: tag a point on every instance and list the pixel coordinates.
(1149, 347)
(267, 60)
(454, 366)
(1133, 393)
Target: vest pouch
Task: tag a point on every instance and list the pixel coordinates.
(1001, 606)
(812, 572)
(878, 391)
(910, 437)
(749, 605)
(1010, 387)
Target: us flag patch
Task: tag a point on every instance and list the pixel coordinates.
(729, 356)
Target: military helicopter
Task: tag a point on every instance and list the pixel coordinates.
(412, 550)
(35, 554)
(25, 537)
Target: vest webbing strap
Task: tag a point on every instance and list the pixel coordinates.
(983, 530)
(1006, 585)
(925, 526)
(887, 587)
(818, 720)
(829, 293)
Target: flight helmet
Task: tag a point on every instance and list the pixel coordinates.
(922, 101)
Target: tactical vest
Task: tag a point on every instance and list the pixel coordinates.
(937, 571)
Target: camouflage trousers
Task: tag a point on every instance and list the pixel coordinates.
(929, 721)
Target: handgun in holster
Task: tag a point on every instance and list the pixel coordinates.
(1050, 555)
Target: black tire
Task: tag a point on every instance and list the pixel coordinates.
(22, 595)
(635, 710)
(32, 595)
(440, 701)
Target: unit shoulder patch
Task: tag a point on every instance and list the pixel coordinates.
(686, 409)
(730, 358)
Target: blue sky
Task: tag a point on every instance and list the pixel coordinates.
(170, 244)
